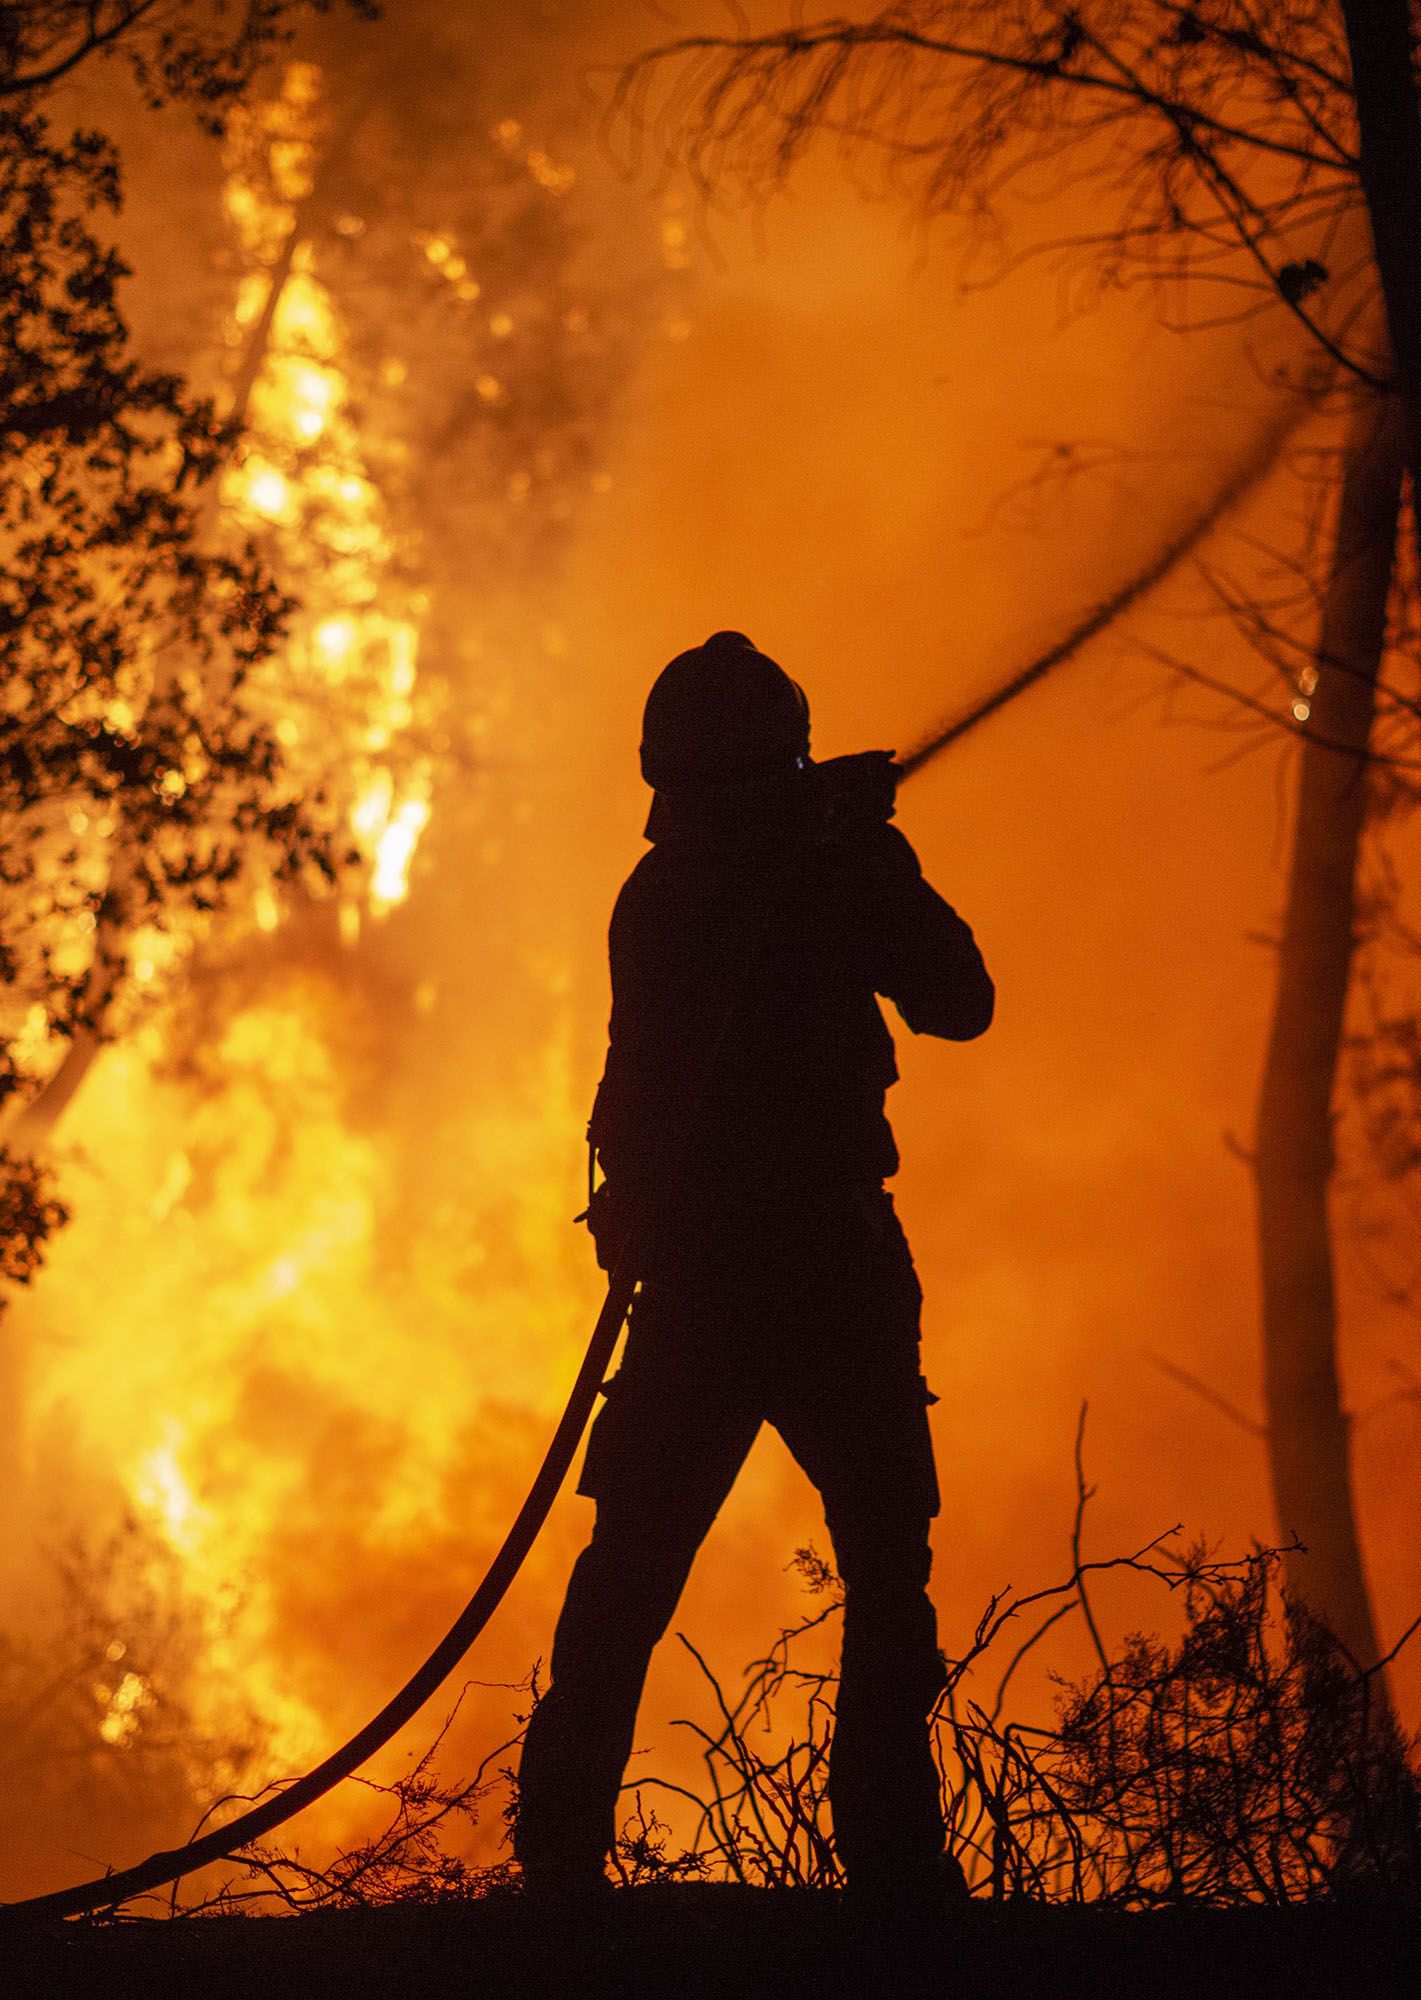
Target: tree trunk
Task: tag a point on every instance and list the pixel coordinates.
(32, 1126)
(1308, 1428)
(1379, 44)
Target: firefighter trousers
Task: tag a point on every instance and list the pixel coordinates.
(824, 1347)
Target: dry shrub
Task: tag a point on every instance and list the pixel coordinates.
(1249, 1761)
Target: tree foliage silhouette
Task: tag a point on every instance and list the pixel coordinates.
(136, 785)
(196, 52)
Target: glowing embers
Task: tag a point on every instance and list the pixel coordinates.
(1302, 701)
(30, 1044)
(265, 490)
(675, 243)
(548, 174)
(313, 392)
(334, 640)
(122, 1705)
(445, 260)
(508, 134)
(391, 829)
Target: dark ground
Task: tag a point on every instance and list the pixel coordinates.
(729, 1942)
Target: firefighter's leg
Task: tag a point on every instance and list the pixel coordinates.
(856, 1420)
(663, 1454)
(874, 1471)
(883, 1783)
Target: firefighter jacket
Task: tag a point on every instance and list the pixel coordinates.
(749, 1059)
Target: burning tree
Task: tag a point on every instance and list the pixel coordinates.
(146, 792)
(140, 787)
(1269, 165)
(316, 486)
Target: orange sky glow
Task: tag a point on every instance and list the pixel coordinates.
(292, 1365)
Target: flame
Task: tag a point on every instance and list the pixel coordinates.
(160, 1487)
(223, 1350)
(394, 853)
(305, 468)
(236, 1357)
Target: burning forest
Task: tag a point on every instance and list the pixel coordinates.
(388, 396)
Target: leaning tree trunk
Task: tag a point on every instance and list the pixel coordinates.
(1309, 1436)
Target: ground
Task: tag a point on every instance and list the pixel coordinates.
(692, 1941)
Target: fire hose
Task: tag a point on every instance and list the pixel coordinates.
(170, 1865)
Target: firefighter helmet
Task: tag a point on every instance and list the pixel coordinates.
(722, 714)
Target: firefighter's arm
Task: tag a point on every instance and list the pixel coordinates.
(922, 956)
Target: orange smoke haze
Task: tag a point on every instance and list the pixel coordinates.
(293, 1364)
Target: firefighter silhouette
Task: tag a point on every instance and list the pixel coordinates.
(740, 1126)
